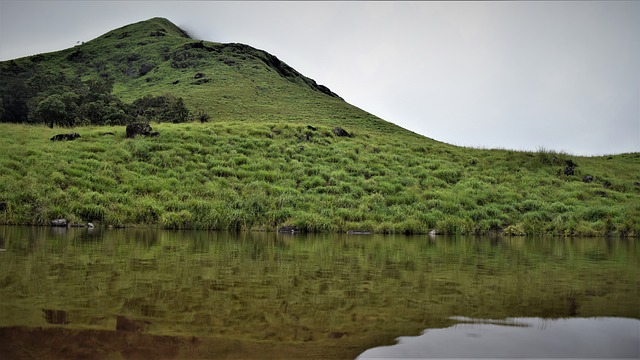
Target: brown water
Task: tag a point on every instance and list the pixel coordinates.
(133, 294)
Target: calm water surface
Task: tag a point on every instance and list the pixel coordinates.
(583, 338)
(135, 294)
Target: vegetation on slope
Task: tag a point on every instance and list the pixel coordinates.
(261, 175)
(268, 156)
(155, 58)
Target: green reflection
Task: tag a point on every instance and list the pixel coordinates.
(313, 288)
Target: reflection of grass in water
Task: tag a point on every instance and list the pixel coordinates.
(283, 288)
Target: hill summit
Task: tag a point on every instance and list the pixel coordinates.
(239, 140)
(156, 57)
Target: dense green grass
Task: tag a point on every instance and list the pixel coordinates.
(260, 175)
(258, 163)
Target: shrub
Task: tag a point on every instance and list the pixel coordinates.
(176, 220)
(529, 205)
(450, 176)
(163, 108)
(89, 212)
(593, 214)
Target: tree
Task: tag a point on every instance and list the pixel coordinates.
(14, 101)
(51, 109)
(164, 108)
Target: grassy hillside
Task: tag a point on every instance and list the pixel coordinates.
(268, 156)
(262, 175)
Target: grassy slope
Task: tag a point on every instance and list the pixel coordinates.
(257, 165)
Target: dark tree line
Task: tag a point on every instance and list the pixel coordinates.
(57, 99)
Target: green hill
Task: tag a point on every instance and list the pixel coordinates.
(246, 142)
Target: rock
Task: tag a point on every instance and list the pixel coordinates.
(145, 68)
(59, 223)
(75, 224)
(587, 179)
(134, 130)
(289, 229)
(198, 75)
(90, 225)
(70, 136)
(359, 232)
(338, 131)
(432, 233)
(570, 167)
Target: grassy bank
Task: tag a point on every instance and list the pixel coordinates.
(261, 174)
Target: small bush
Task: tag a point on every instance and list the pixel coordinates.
(176, 220)
(450, 176)
(89, 212)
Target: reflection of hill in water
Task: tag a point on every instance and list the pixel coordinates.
(521, 338)
(340, 292)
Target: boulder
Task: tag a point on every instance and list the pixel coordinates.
(338, 131)
(569, 170)
(134, 130)
(359, 232)
(61, 137)
(289, 229)
(59, 223)
(145, 68)
(587, 179)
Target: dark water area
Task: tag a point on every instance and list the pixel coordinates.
(137, 294)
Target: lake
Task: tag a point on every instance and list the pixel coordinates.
(137, 294)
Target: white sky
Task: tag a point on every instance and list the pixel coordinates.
(518, 75)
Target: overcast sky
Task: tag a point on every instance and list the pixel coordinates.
(520, 75)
